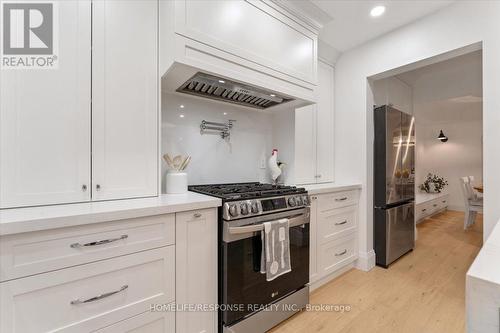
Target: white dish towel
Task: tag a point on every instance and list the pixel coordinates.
(275, 258)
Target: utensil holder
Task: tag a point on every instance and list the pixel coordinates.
(176, 182)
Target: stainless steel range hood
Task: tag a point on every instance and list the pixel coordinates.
(242, 89)
(213, 87)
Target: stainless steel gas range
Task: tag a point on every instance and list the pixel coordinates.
(247, 301)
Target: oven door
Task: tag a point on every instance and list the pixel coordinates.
(242, 282)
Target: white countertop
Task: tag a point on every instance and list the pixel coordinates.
(329, 187)
(20, 220)
(486, 265)
(421, 197)
(483, 287)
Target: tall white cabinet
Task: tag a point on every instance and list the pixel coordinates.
(314, 137)
(87, 130)
(45, 121)
(124, 99)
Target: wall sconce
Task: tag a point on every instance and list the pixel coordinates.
(442, 137)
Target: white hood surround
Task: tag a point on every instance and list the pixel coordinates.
(282, 64)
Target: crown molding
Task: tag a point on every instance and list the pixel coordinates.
(305, 11)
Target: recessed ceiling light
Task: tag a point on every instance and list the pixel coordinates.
(225, 113)
(181, 106)
(377, 11)
(222, 81)
(272, 95)
(181, 115)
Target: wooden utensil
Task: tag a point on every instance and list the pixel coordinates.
(177, 162)
(168, 159)
(185, 163)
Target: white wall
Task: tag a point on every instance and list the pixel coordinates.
(393, 91)
(461, 24)
(254, 135)
(215, 160)
(460, 156)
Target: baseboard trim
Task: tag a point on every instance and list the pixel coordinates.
(456, 208)
(328, 278)
(366, 261)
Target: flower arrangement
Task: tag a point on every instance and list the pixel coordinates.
(433, 183)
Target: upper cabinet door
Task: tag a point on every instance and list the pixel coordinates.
(305, 145)
(325, 119)
(45, 120)
(125, 103)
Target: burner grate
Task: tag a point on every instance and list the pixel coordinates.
(245, 190)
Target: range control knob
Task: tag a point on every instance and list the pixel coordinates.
(255, 207)
(299, 201)
(305, 200)
(244, 208)
(233, 210)
(292, 202)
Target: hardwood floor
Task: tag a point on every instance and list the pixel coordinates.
(422, 292)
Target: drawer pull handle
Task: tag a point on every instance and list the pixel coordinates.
(423, 210)
(341, 199)
(341, 253)
(435, 205)
(197, 215)
(104, 241)
(444, 201)
(340, 223)
(98, 297)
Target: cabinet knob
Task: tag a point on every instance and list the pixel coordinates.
(84, 187)
(98, 187)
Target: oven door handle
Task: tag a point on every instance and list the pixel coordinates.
(292, 222)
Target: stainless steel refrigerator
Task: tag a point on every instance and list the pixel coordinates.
(394, 184)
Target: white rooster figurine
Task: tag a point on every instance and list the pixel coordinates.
(274, 166)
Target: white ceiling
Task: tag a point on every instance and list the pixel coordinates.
(352, 24)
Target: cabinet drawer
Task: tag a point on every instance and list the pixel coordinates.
(337, 200)
(88, 297)
(336, 253)
(442, 202)
(43, 251)
(335, 223)
(422, 210)
(148, 322)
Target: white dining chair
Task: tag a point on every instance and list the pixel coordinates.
(476, 193)
(473, 203)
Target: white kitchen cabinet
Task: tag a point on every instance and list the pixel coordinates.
(148, 322)
(314, 137)
(333, 234)
(261, 43)
(430, 204)
(124, 99)
(45, 121)
(324, 124)
(196, 269)
(305, 145)
(87, 130)
(88, 297)
(31, 253)
(274, 41)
